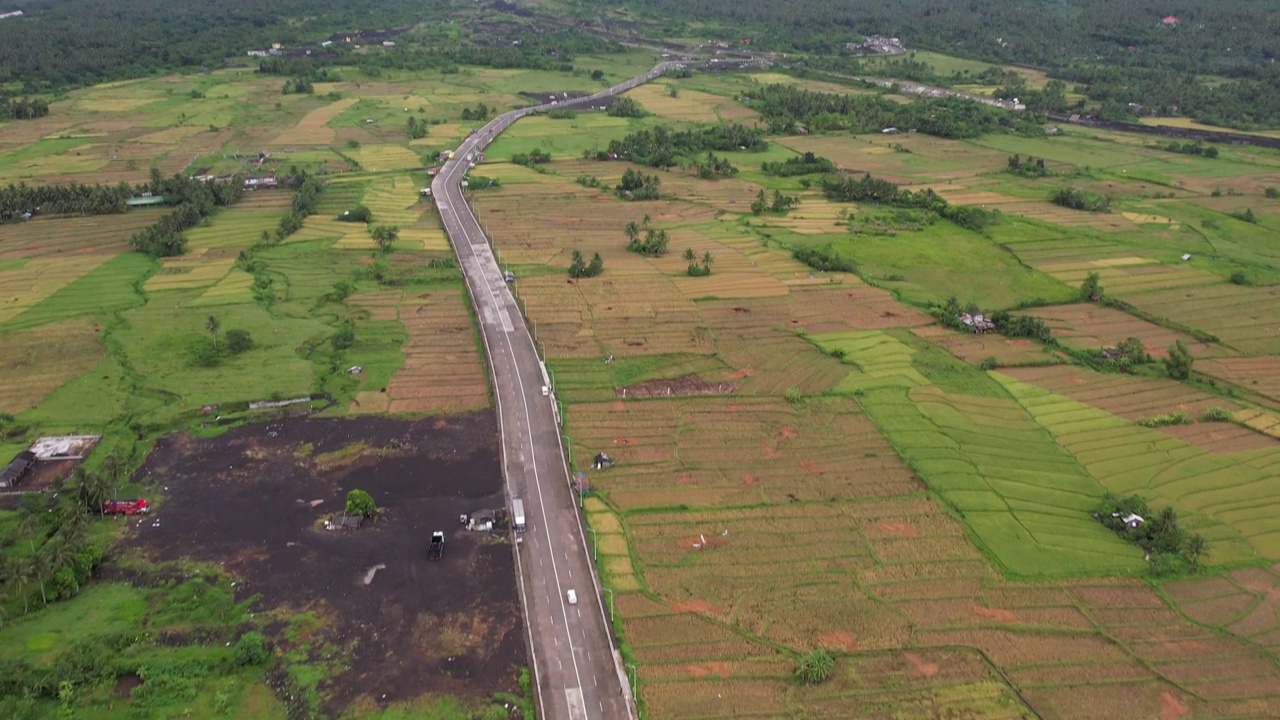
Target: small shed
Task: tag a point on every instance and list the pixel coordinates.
(17, 469)
(344, 522)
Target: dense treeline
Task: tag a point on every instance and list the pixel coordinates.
(16, 201)
(662, 147)
(787, 107)
(1119, 53)
(194, 200)
(303, 203)
(60, 43)
(847, 188)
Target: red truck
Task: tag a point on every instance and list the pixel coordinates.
(125, 507)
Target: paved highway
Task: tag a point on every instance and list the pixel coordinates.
(577, 670)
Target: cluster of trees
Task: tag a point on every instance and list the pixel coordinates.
(385, 236)
(72, 199)
(636, 185)
(480, 182)
(298, 86)
(1077, 199)
(23, 108)
(416, 127)
(1022, 326)
(194, 200)
(1178, 362)
(788, 107)
(1190, 148)
(825, 258)
(848, 188)
(580, 268)
(1170, 548)
(807, 164)
(652, 244)
(535, 156)
(711, 166)
(359, 213)
(479, 112)
(698, 268)
(54, 553)
(622, 106)
(221, 346)
(778, 203)
(662, 147)
(305, 197)
(1029, 168)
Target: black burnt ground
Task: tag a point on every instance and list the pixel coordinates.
(246, 501)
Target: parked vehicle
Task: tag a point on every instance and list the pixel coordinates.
(126, 507)
(517, 514)
(437, 546)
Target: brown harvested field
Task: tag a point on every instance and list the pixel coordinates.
(1256, 374)
(1134, 398)
(1092, 327)
(38, 361)
(974, 349)
(747, 450)
(101, 234)
(443, 369)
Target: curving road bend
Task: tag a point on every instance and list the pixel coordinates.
(577, 670)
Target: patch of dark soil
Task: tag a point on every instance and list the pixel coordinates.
(125, 685)
(677, 387)
(247, 501)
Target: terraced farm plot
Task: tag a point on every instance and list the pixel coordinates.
(747, 450)
(379, 158)
(313, 128)
(1227, 497)
(690, 105)
(1092, 327)
(103, 234)
(443, 370)
(39, 360)
(24, 285)
(1244, 318)
(190, 271)
(1257, 374)
(1135, 398)
(975, 349)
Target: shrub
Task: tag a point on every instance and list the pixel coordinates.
(825, 258)
(238, 341)
(359, 213)
(1178, 363)
(1272, 193)
(251, 649)
(793, 395)
(990, 363)
(360, 502)
(1077, 199)
(1218, 414)
(345, 337)
(815, 667)
(1166, 419)
(1239, 278)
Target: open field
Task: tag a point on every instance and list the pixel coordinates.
(715, 525)
(804, 459)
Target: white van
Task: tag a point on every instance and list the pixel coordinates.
(545, 391)
(573, 597)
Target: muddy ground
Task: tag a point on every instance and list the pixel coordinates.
(247, 501)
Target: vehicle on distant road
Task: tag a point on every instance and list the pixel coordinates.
(572, 596)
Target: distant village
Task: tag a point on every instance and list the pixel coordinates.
(355, 38)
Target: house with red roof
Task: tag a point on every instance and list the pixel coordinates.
(1171, 20)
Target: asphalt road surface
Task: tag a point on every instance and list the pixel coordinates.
(577, 670)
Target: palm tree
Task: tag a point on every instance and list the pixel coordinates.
(29, 525)
(646, 219)
(1197, 547)
(689, 254)
(706, 259)
(633, 231)
(213, 325)
(21, 573)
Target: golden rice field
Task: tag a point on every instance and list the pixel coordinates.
(39, 360)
